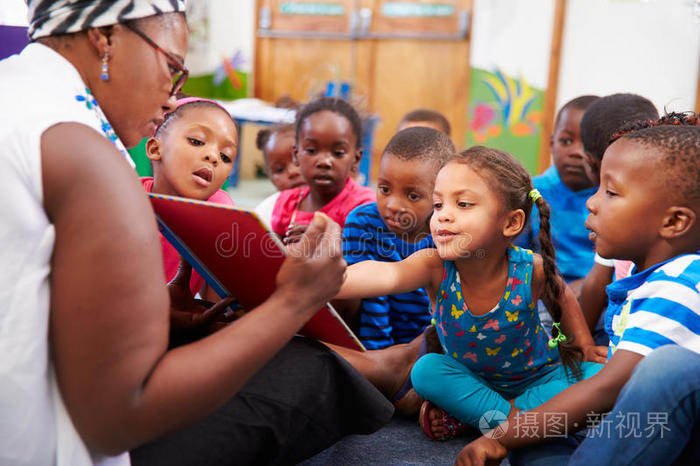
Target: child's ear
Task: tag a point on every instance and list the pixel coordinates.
(295, 155)
(514, 223)
(153, 149)
(678, 221)
(356, 163)
(592, 162)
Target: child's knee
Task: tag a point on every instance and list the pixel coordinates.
(424, 373)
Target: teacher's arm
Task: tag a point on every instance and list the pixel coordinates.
(110, 307)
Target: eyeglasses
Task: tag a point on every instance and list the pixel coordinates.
(178, 72)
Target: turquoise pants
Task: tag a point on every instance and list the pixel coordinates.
(449, 384)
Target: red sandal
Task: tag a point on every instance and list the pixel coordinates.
(453, 426)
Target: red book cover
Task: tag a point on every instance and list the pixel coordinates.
(237, 256)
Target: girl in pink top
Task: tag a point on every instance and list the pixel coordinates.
(192, 154)
(327, 152)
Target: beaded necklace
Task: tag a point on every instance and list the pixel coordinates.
(91, 104)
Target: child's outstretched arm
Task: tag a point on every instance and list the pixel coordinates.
(573, 323)
(370, 279)
(570, 408)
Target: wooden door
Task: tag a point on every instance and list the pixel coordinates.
(398, 55)
(301, 45)
(417, 56)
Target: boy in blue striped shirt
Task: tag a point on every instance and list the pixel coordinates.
(395, 227)
(646, 210)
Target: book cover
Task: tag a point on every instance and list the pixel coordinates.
(237, 256)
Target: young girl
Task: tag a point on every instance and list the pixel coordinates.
(277, 146)
(327, 152)
(497, 355)
(192, 154)
(646, 210)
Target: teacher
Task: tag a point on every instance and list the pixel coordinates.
(85, 371)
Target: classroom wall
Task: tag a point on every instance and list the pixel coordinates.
(509, 61)
(650, 48)
(232, 29)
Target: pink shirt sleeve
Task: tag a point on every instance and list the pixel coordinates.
(350, 197)
(171, 258)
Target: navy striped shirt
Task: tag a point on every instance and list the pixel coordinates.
(391, 319)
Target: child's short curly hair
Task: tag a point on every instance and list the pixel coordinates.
(421, 143)
(339, 106)
(677, 137)
(607, 115)
(424, 114)
(265, 134)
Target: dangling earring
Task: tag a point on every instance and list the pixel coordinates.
(104, 76)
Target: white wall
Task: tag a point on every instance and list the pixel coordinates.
(514, 36)
(232, 25)
(648, 47)
(651, 48)
(13, 13)
(219, 28)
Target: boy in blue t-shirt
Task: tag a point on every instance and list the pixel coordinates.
(646, 210)
(395, 227)
(566, 187)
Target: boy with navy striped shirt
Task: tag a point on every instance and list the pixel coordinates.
(647, 210)
(393, 228)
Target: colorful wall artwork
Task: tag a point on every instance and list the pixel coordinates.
(505, 113)
(509, 58)
(220, 48)
(227, 82)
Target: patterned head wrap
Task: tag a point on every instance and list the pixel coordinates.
(53, 17)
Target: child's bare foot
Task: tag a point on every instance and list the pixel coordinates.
(431, 419)
(438, 425)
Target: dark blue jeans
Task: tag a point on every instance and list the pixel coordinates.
(655, 418)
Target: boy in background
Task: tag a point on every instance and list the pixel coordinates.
(566, 187)
(393, 228)
(600, 122)
(425, 118)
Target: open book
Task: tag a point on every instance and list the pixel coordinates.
(237, 256)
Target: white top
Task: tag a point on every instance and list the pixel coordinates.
(266, 207)
(39, 89)
(598, 259)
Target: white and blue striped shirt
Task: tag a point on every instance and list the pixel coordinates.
(656, 307)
